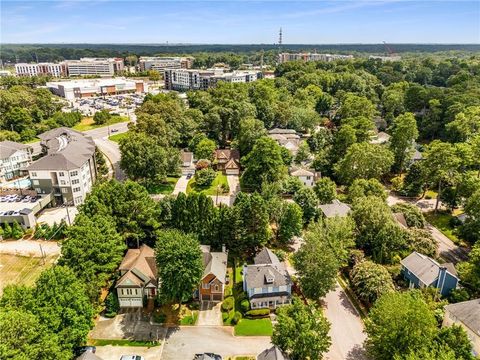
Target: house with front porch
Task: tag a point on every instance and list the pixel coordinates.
(138, 277)
(267, 282)
(227, 161)
(214, 276)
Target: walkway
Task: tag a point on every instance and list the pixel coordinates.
(181, 185)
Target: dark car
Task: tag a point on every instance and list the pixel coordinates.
(207, 356)
(83, 349)
(114, 130)
(189, 176)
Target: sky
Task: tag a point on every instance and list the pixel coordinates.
(240, 22)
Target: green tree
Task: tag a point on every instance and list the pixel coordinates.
(363, 127)
(413, 215)
(102, 117)
(364, 187)
(303, 153)
(326, 190)
(307, 200)
(290, 222)
(455, 338)
(471, 228)
(355, 106)
(205, 177)
(399, 323)
(179, 263)
(364, 161)
(404, 133)
(301, 331)
(263, 164)
(205, 149)
(370, 281)
(421, 240)
(466, 124)
(469, 271)
(249, 131)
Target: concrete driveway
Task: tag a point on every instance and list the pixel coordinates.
(210, 314)
(181, 185)
(184, 342)
(346, 327)
(233, 184)
(110, 352)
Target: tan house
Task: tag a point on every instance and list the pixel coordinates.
(228, 161)
(187, 165)
(467, 315)
(213, 281)
(138, 277)
(306, 176)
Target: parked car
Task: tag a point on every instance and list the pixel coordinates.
(207, 356)
(83, 349)
(132, 357)
(114, 130)
(189, 176)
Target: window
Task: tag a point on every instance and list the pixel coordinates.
(33, 174)
(35, 182)
(75, 181)
(205, 286)
(77, 189)
(73, 173)
(62, 182)
(216, 287)
(64, 190)
(309, 177)
(38, 190)
(61, 173)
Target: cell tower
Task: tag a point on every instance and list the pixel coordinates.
(280, 37)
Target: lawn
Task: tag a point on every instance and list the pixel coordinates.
(173, 314)
(21, 270)
(441, 221)
(163, 188)
(220, 183)
(87, 123)
(235, 290)
(257, 327)
(117, 137)
(123, 342)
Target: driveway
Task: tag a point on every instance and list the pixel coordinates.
(112, 152)
(233, 184)
(346, 327)
(181, 185)
(115, 352)
(56, 215)
(184, 342)
(210, 314)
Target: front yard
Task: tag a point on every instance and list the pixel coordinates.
(443, 222)
(254, 327)
(165, 187)
(173, 314)
(219, 186)
(87, 123)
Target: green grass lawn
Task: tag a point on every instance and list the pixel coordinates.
(257, 327)
(162, 188)
(190, 319)
(88, 123)
(220, 181)
(117, 137)
(441, 221)
(123, 342)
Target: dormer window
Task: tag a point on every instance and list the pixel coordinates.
(269, 279)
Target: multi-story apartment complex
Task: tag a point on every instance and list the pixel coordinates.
(84, 66)
(14, 158)
(183, 79)
(284, 57)
(74, 89)
(162, 63)
(68, 168)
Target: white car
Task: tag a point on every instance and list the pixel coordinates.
(132, 357)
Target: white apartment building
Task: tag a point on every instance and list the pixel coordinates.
(284, 57)
(75, 89)
(14, 159)
(161, 63)
(52, 69)
(94, 66)
(68, 169)
(190, 79)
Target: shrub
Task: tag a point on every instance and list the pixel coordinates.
(245, 305)
(356, 256)
(236, 317)
(258, 313)
(370, 281)
(111, 305)
(281, 254)
(228, 292)
(101, 117)
(202, 164)
(194, 305)
(205, 177)
(228, 303)
(159, 318)
(413, 215)
(224, 316)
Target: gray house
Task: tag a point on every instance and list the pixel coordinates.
(421, 271)
(267, 282)
(335, 208)
(274, 353)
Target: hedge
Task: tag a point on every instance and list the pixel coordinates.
(245, 305)
(258, 313)
(228, 303)
(236, 317)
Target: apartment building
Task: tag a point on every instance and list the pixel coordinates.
(162, 63)
(284, 57)
(94, 66)
(76, 89)
(14, 159)
(52, 69)
(68, 168)
(190, 79)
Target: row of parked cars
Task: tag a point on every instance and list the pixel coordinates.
(18, 198)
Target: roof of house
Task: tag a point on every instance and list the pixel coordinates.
(423, 267)
(186, 156)
(417, 155)
(335, 208)
(282, 131)
(67, 149)
(227, 154)
(139, 266)
(232, 164)
(380, 138)
(214, 263)
(256, 275)
(274, 353)
(8, 148)
(266, 256)
(467, 312)
(302, 172)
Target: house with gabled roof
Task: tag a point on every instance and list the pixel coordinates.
(307, 177)
(267, 282)
(214, 276)
(273, 353)
(138, 277)
(227, 161)
(335, 208)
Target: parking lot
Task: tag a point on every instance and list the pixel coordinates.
(123, 105)
(13, 201)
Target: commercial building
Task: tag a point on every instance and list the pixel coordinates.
(84, 66)
(190, 79)
(14, 159)
(162, 63)
(52, 69)
(68, 168)
(76, 89)
(284, 57)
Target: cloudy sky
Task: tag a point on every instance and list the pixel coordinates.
(240, 22)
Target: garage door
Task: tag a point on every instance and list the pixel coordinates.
(232, 171)
(131, 302)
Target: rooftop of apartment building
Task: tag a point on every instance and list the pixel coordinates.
(8, 148)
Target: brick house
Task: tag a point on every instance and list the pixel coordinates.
(213, 281)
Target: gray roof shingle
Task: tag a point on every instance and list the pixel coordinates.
(423, 267)
(274, 353)
(335, 208)
(8, 148)
(266, 256)
(467, 312)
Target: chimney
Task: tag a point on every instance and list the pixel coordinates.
(442, 274)
(224, 249)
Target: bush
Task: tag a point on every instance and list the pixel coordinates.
(111, 305)
(202, 164)
(236, 317)
(205, 177)
(281, 254)
(159, 318)
(413, 215)
(194, 305)
(101, 117)
(224, 316)
(258, 313)
(228, 303)
(245, 306)
(17, 231)
(228, 292)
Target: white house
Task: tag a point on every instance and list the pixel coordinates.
(307, 177)
(14, 158)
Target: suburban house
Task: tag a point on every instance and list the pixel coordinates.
(467, 315)
(380, 138)
(14, 158)
(214, 277)
(187, 165)
(274, 353)
(227, 161)
(267, 282)
(422, 271)
(307, 177)
(335, 208)
(288, 138)
(138, 277)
